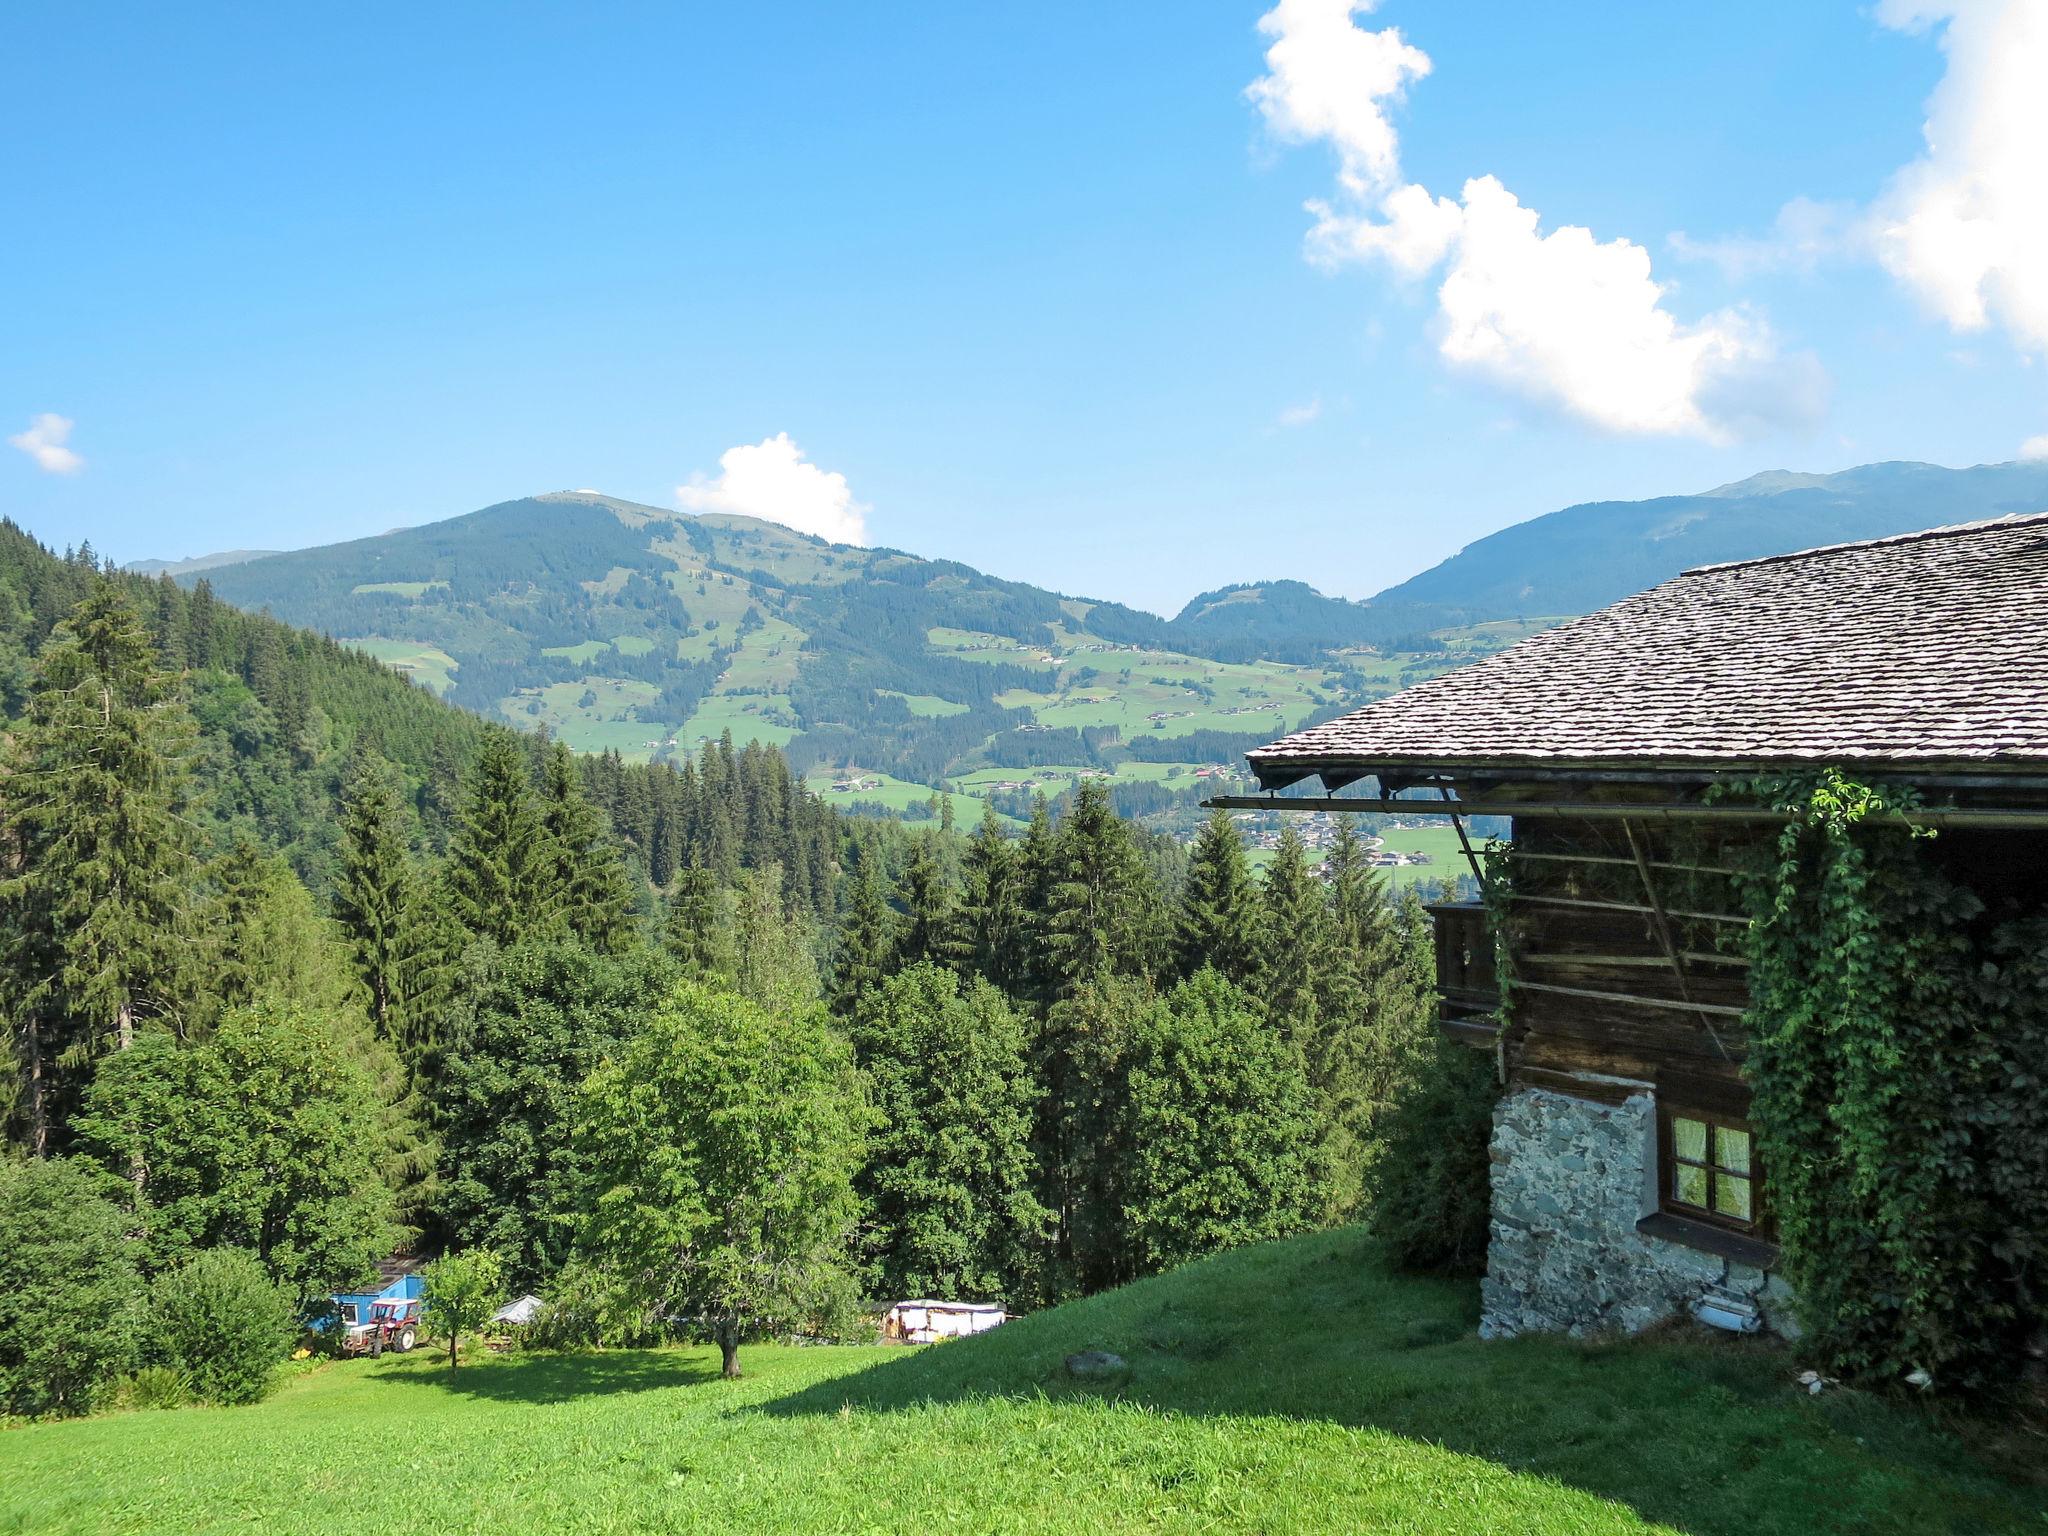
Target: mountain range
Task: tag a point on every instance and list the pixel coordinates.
(643, 630)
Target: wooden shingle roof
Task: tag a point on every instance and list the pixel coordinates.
(1921, 650)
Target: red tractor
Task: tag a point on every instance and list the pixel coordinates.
(390, 1325)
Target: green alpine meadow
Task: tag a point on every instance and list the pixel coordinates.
(1297, 1386)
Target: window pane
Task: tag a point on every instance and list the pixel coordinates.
(1731, 1197)
(1689, 1140)
(1731, 1149)
(1689, 1185)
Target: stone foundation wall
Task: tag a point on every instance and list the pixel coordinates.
(1571, 1179)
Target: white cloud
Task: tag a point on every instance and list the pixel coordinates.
(44, 442)
(1561, 317)
(1805, 234)
(1966, 225)
(1329, 79)
(2035, 447)
(1300, 415)
(772, 479)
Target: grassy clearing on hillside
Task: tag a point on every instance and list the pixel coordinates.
(408, 589)
(427, 663)
(608, 723)
(581, 653)
(750, 717)
(926, 705)
(1291, 1387)
(897, 795)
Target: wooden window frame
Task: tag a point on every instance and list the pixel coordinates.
(1668, 1162)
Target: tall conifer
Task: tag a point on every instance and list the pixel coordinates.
(1218, 920)
(867, 938)
(99, 862)
(380, 905)
(928, 903)
(1296, 938)
(990, 937)
(501, 866)
(591, 891)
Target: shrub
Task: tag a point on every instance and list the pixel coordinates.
(154, 1387)
(68, 1289)
(222, 1321)
(1434, 1196)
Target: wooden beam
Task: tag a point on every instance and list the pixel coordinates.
(1952, 816)
(1620, 906)
(1693, 955)
(1602, 858)
(1631, 997)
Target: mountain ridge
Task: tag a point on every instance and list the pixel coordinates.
(623, 626)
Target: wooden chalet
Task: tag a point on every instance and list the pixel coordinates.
(1626, 1183)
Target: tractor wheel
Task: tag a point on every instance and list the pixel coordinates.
(376, 1342)
(405, 1341)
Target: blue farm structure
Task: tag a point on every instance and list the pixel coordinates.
(401, 1283)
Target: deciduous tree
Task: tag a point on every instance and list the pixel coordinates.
(721, 1146)
(948, 1178)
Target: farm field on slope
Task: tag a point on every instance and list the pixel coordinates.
(1364, 1403)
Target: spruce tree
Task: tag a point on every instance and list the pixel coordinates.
(928, 902)
(501, 866)
(99, 861)
(1217, 924)
(591, 889)
(990, 936)
(867, 938)
(1103, 914)
(380, 905)
(1376, 1016)
(696, 927)
(1035, 878)
(1296, 948)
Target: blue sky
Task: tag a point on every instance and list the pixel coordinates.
(1037, 282)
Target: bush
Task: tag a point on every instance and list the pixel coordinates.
(221, 1320)
(68, 1289)
(1434, 1197)
(153, 1387)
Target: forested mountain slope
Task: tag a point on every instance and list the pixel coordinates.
(278, 714)
(1583, 558)
(646, 632)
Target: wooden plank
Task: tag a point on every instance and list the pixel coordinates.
(1622, 906)
(1602, 858)
(1652, 961)
(1626, 997)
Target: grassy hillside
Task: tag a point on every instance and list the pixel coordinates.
(1295, 1387)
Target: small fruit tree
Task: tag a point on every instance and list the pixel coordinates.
(463, 1290)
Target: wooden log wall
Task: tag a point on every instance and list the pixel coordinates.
(1624, 940)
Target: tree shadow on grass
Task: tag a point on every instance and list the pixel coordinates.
(1707, 1434)
(552, 1378)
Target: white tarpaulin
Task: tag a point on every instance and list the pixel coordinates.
(521, 1312)
(926, 1322)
